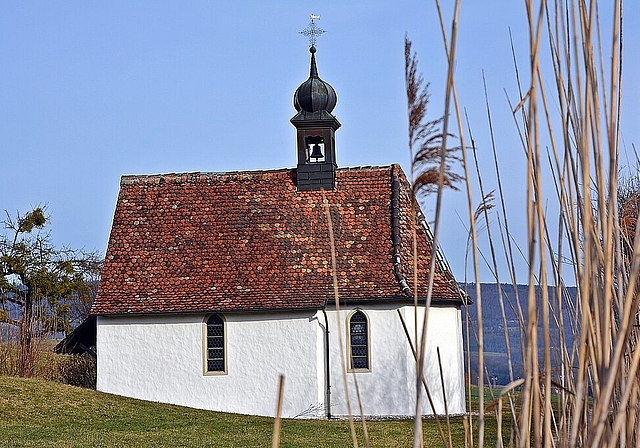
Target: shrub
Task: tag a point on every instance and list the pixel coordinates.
(75, 370)
(41, 358)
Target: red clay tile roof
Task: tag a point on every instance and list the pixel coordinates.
(249, 241)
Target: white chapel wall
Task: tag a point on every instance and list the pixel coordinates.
(160, 358)
(444, 331)
(389, 387)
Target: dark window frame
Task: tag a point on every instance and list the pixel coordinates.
(215, 345)
(359, 341)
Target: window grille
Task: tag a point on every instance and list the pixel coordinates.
(359, 341)
(215, 344)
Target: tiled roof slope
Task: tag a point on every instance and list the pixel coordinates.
(249, 241)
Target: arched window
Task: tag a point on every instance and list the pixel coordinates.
(215, 356)
(359, 341)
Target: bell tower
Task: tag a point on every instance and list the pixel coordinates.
(315, 125)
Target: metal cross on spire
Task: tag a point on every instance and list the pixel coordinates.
(312, 31)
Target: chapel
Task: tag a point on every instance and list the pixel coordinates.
(217, 283)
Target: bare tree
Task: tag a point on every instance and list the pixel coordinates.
(40, 285)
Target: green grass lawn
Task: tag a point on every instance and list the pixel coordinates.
(42, 413)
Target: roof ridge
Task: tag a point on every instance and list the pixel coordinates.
(367, 167)
(131, 178)
(128, 179)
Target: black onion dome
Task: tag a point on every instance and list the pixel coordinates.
(314, 95)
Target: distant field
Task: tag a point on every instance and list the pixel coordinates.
(492, 355)
(41, 413)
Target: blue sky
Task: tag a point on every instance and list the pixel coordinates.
(90, 91)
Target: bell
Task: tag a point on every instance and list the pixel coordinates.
(316, 152)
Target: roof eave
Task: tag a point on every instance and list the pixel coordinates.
(209, 311)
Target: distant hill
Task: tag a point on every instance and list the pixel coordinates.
(495, 347)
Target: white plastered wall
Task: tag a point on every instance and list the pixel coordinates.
(389, 387)
(160, 358)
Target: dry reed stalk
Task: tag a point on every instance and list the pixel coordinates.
(423, 380)
(602, 332)
(417, 99)
(499, 442)
(483, 210)
(418, 440)
(468, 442)
(275, 440)
(486, 217)
(444, 397)
(506, 243)
(432, 180)
(452, 96)
(336, 296)
(365, 431)
(596, 374)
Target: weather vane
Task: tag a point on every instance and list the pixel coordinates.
(312, 31)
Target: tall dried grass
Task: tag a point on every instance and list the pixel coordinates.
(587, 394)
